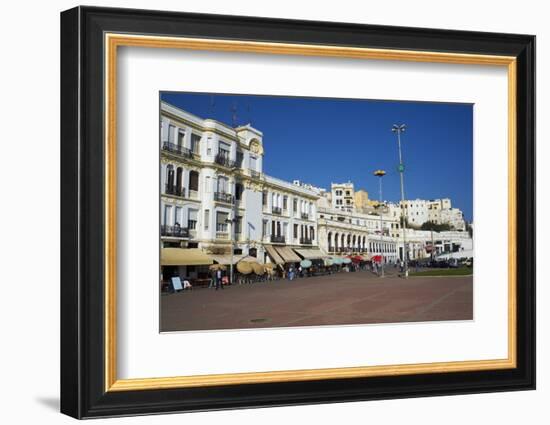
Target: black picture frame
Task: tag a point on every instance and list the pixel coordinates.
(83, 392)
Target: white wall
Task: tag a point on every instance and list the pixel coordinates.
(30, 302)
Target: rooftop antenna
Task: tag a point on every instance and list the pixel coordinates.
(248, 112)
(212, 106)
(234, 113)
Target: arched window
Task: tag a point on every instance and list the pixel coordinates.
(194, 180)
(169, 175)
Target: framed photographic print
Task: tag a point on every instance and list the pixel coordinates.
(261, 212)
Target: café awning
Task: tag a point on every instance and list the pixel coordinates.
(226, 259)
(273, 255)
(287, 254)
(310, 253)
(249, 259)
(184, 257)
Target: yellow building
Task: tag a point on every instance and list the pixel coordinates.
(362, 201)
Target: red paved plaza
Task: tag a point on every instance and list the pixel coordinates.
(339, 299)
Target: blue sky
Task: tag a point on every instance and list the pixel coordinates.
(324, 140)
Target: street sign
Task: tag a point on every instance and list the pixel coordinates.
(176, 283)
(401, 168)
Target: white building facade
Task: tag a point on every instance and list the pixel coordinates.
(215, 196)
(343, 196)
(342, 232)
(438, 211)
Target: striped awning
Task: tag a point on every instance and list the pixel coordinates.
(287, 254)
(310, 253)
(273, 255)
(184, 257)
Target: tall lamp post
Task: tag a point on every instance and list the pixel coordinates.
(400, 128)
(231, 222)
(380, 174)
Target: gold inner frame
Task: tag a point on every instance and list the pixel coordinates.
(113, 41)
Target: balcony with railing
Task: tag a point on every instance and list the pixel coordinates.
(277, 239)
(306, 241)
(223, 197)
(239, 161)
(305, 216)
(178, 150)
(174, 231)
(222, 230)
(255, 174)
(223, 159)
(171, 189)
(276, 210)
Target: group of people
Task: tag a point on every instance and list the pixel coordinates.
(376, 266)
(219, 277)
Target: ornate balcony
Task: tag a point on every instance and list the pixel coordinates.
(178, 150)
(223, 159)
(174, 231)
(277, 239)
(305, 241)
(305, 216)
(223, 197)
(255, 174)
(174, 190)
(276, 210)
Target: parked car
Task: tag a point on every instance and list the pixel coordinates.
(453, 263)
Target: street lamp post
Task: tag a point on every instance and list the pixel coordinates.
(400, 129)
(380, 174)
(230, 222)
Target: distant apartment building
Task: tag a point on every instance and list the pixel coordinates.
(343, 232)
(439, 211)
(363, 203)
(343, 196)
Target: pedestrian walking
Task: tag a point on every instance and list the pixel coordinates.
(212, 282)
(219, 279)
